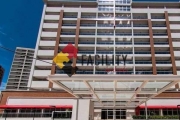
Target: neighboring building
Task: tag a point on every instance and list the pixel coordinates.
(20, 69)
(1, 74)
(144, 38)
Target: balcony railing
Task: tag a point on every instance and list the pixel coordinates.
(163, 52)
(88, 25)
(84, 72)
(121, 25)
(67, 33)
(157, 17)
(124, 72)
(143, 62)
(140, 25)
(86, 33)
(104, 52)
(105, 25)
(125, 52)
(164, 72)
(161, 43)
(69, 25)
(70, 16)
(158, 25)
(88, 16)
(109, 34)
(123, 17)
(140, 17)
(63, 42)
(86, 43)
(86, 52)
(142, 43)
(123, 43)
(123, 34)
(105, 43)
(160, 34)
(141, 34)
(143, 52)
(163, 62)
(143, 72)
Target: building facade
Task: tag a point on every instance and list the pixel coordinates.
(128, 61)
(20, 69)
(1, 74)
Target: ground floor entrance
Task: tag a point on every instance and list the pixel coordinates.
(113, 114)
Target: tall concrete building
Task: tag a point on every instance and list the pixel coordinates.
(20, 69)
(1, 74)
(128, 61)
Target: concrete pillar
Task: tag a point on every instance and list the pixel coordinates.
(146, 110)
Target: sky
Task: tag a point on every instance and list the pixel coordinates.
(19, 26)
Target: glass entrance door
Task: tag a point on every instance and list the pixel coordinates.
(113, 114)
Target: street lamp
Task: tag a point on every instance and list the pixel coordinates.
(54, 110)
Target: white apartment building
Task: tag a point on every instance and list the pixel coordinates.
(139, 44)
(20, 69)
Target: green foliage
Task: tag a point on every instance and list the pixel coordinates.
(156, 117)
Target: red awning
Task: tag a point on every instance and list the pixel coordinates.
(33, 106)
(158, 106)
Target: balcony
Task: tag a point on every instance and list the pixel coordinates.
(84, 72)
(88, 25)
(86, 33)
(164, 72)
(63, 42)
(69, 16)
(123, 17)
(140, 25)
(86, 43)
(143, 72)
(143, 52)
(125, 52)
(141, 34)
(88, 16)
(105, 43)
(140, 17)
(104, 52)
(85, 52)
(124, 72)
(121, 25)
(69, 25)
(105, 25)
(159, 34)
(143, 62)
(161, 43)
(158, 25)
(106, 34)
(123, 34)
(163, 62)
(163, 52)
(67, 33)
(157, 17)
(142, 43)
(123, 43)
(101, 72)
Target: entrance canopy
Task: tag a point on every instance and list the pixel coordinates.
(115, 90)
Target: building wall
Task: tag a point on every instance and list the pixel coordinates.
(20, 69)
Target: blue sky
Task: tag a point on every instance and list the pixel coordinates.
(19, 25)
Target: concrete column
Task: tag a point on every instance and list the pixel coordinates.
(146, 110)
(161, 112)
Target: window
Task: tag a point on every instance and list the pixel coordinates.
(110, 113)
(170, 112)
(150, 112)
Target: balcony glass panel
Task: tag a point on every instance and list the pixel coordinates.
(140, 25)
(86, 33)
(142, 43)
(63, 42)
(159, 34)
(140, 52)
(140, 17)
(109, 34)
(86, 43)
(141, 34)
(88, 25)
(105, 25)
(86, 52)
(163, 52)
(123, 43)
(143, 72)
(123, 25)
(69, 25)
(84, 72)
(143, 62)
(101, 72)
(124, 52)
(104, 52)
(164, 72)
(161, 43)
(69, 16)
(123, 34)
(163, 62)
(158, 25)
(124, 72)
(157, 17)
(88, 16)
(105, 43)
(67, 33)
